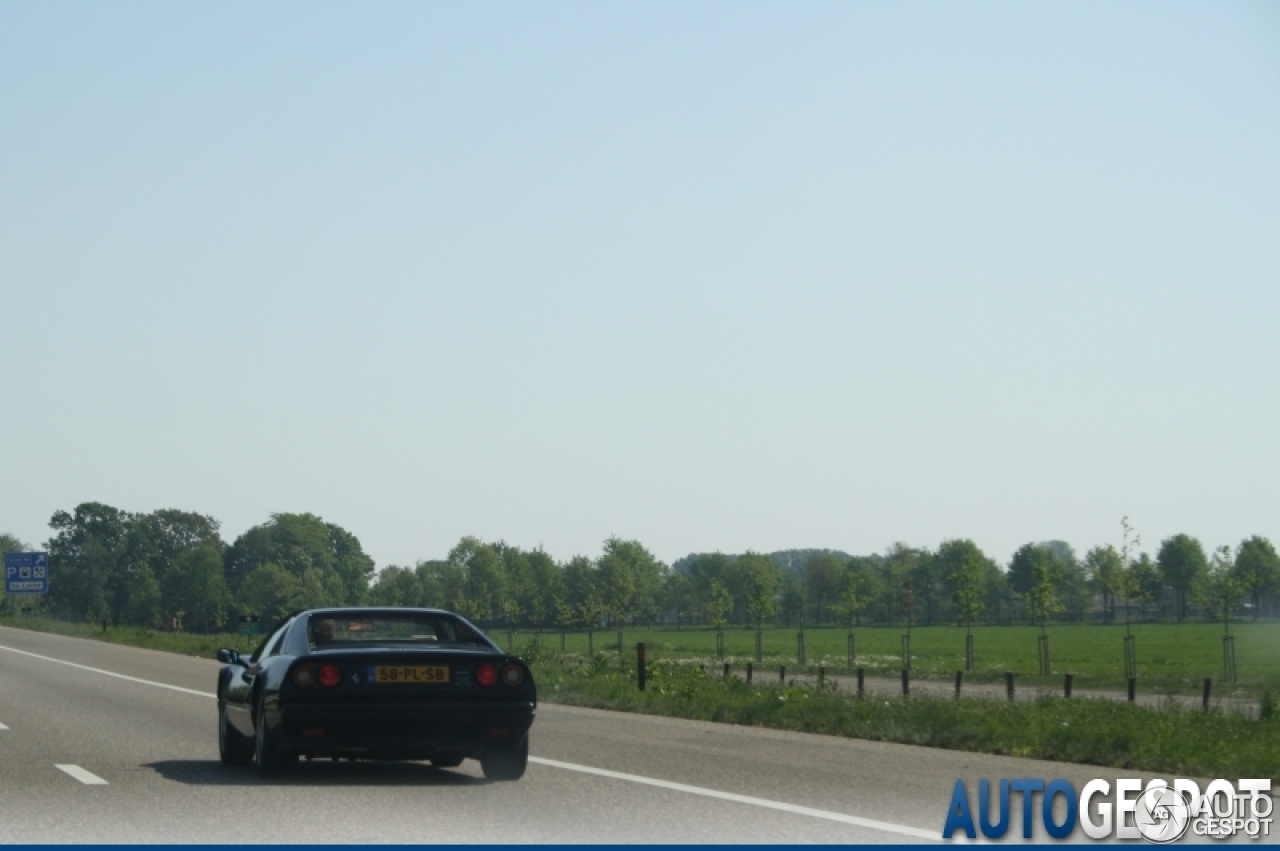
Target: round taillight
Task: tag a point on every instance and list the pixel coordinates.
(304, 675)
(329, 675)
(486, 674)
(512, 675)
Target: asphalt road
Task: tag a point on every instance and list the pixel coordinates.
(140, 764)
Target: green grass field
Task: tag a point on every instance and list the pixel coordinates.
(1172, 658)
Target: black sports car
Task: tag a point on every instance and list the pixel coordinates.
(376, 683)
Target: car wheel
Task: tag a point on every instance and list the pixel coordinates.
(507, 762)
(232, 747)
(269, 758)
(447, 761)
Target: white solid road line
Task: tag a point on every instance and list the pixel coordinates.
(3, 727)
(85, 777)
(874, 824)
(109, 673)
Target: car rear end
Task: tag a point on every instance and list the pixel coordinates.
(393, 703)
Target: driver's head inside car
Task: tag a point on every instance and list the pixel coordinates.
(321, 631)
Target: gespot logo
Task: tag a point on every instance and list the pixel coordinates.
(1159, 812)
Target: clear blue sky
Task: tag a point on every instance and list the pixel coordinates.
(709, 275)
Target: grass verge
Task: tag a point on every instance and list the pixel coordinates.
(188, 644)
(1093, 732)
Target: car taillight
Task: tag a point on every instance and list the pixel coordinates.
(303, 676)
(329, 675)
(486, 674)
(512, 675)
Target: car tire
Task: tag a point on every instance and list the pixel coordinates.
(447, 760)
(507, 762)
(232, 747)
(270, 759)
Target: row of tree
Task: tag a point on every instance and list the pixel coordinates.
(172, 568)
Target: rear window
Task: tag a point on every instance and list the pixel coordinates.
(407, 630)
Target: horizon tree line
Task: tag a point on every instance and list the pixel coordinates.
(172, 569)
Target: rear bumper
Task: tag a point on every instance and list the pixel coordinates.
(401, 730)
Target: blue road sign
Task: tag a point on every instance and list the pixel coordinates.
(26, 573)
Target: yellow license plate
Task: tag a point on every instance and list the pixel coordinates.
(410, 674)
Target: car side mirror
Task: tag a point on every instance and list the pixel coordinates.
(229, 657)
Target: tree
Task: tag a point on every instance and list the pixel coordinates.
(353, 568)
(822, 575)
(89, 560)
(1021, 575)
(791, 598)
(521, 601)
(1105, 570)
(963, 564)
(851, 598)
(704, 568)
(1142, 583)
(718, 605)
(928, 578)
(1033, 575)
(298, 543)
(170, 533)
(675, 594)
(900, 565)
(581, 594)
(1043, 597)
(268, 591)
(195, 586)
(1258, 569)
(143, 605)
(1182, 562)
(10, 544)
(630, 578)
(1222, 588)
(484, 580)
(397, 586)
(1072, 587)
(547, 595)
(761, 577)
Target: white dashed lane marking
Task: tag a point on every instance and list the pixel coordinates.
(85, 777)
(3, 727)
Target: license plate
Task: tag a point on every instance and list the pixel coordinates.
(410, 674)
